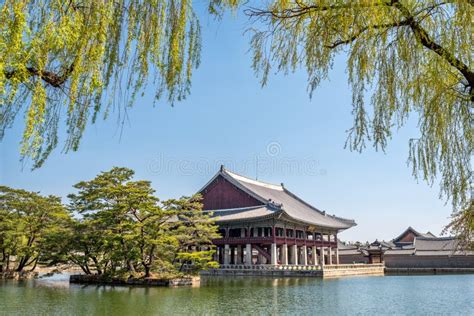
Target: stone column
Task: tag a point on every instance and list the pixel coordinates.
(304, 256)
(296, 258)
(330, 255)
(315, 256)
(274, 254)
(321, 256)
(337, 255)
(294, 255)
(248, 254)
(238, 259)
(284, 257)
(226, 254)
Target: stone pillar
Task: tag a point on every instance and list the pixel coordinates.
(304, 256)
(274, 254)
(337, 255)
(330, 255)
(260, 258)
(248, 254)
(294, 255)
(315, 256)
(226, 254)
(239, 255)
(321, 256)
(284, 257)
(216, 254)
(232, 255)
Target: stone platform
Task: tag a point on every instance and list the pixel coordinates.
(327, 271)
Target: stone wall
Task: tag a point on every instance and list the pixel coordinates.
(410, 261)
(353, 269)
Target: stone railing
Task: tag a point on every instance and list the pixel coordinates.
(353, 266)
(268, 267)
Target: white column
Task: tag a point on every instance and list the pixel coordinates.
(315, 256)
(330, 255)
(294, 255)
(226, 254)
(248, 254)
(284, 251)
(274, 254)
(304, 255)
(337, 255)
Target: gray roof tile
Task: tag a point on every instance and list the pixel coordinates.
(292, 205)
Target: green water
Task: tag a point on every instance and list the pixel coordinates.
(389, 295)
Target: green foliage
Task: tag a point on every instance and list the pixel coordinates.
(412, 58)
(30, 226)
(126, 231)
(120, 230)
(62, 58)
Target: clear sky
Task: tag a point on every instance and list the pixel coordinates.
(229, 119)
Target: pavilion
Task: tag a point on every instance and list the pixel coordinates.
(266, 224)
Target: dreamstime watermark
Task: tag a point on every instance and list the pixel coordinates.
(258, 165)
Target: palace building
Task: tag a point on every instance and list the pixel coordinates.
(266, 224)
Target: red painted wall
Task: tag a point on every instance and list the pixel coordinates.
(408, 237)
(221, 194)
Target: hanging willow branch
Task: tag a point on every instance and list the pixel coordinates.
(69, 58)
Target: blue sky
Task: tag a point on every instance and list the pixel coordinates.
(230, 119)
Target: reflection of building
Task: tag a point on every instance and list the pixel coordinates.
(265, 224)
(410, 249)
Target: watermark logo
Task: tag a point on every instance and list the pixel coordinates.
(271, 161)
(273, 149)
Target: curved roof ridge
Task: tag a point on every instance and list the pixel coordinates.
(252, 181)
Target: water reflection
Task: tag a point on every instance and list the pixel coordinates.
(246, 295)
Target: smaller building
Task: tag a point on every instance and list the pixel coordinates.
(429, 252)
(408, 237)
(410, 249)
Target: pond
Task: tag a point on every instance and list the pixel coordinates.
(383, 295)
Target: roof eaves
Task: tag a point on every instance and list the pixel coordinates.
(351, 222)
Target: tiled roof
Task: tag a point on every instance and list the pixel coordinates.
(244, 213)
(446, 243)
(415, 232)
(277, 196)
